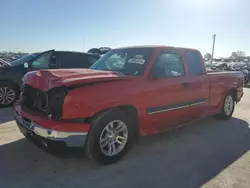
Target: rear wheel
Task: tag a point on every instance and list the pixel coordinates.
(228, 107)
(8, 94)
(111, 137)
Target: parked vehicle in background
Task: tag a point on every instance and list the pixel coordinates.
(100, 51)
(208, 64)
(240, 66)
(11, 56)
(248, 69)
(245, 70)
(3, 63)
(11, 73)
(246, 75)
(129, 92)
(230, 66)
(219, 66)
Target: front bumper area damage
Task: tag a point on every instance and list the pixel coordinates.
(49, 137)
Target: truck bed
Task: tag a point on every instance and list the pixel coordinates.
(225, 75)
(221, 81)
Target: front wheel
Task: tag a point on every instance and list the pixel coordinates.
(228, 107)
(111, 137)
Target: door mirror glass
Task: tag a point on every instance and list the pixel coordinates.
(26, 65)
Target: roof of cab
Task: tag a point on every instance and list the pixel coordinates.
(156, 46)
(60, 51)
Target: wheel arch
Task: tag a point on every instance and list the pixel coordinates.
(11, 82)
(221, 113)
(234, 92)
(131, 110)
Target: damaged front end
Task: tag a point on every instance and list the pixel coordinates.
(48, 103)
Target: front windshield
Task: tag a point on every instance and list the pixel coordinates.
(130, 61)
(22, 59)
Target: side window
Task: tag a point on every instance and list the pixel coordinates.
(72, 60)
(92, 59)
(194, 63)
(60, 59)
(80, 60)
(168, 64)
(42, 61)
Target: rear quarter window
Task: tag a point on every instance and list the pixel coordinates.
(194, 63)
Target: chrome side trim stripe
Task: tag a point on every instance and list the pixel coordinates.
(198, 103)
(170, 109)
(177, 106)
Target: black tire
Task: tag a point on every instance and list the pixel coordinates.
(98, 124)
(225, 115)
(11, 87)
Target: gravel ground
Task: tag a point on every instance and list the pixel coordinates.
(209, 153)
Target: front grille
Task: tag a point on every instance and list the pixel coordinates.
(34, 99)
(28, 95)
(48, 103)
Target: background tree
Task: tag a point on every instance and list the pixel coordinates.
(207, 56)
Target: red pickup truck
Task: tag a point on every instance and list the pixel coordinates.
(129, 92)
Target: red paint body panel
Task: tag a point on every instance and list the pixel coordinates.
(51, 124)
(141, 92)
(48, 79)
(221, 82)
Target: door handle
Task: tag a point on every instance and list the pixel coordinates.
(185, 85)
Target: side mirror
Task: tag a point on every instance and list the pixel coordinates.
(26, 65)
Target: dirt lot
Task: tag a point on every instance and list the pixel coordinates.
(210, 153)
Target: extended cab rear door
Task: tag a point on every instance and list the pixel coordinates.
(197, 84)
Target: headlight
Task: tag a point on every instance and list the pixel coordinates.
(56, 101)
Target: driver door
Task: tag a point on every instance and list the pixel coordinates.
(167, 96)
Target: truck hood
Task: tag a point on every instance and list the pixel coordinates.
(47, 79)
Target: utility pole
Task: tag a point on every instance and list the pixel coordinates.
(214, 35)
(83, 44)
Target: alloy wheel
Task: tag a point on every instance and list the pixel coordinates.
(113, 138)
(7, 95)
(228, 105)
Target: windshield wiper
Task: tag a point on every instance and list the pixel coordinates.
(119, 72)
(113, 71)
